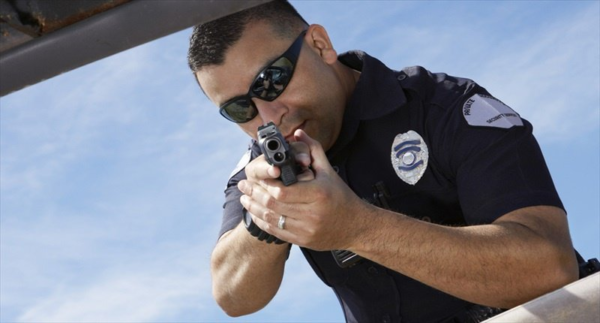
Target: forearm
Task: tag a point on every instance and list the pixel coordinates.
(502, 264)
(246, 272)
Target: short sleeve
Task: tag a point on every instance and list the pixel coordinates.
(497, 163)
(232, 208)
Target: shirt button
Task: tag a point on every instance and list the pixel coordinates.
(386, 319)
(373, 271)
(336, 169)
(401, 77)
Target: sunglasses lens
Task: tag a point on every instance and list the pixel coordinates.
(239, 111)
(272, 81)
(268, 85)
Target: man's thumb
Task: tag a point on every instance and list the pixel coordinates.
(319, 159)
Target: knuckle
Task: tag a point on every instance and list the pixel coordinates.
(270, 202)
(279, 194)
(249, 188)
(269, 216)
(265, 226)
(250, 208)
(268, 226)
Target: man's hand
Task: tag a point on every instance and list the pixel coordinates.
(319, 209)
(247, 272)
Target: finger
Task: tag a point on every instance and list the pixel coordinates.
(258, 210)
(299, 147)
(274, 195)
(306, 175)
(259, 194)
(259, 169)
(285, 234)
(268, 220)
(266, 200)
(319, 158)
(301, 152)
(268, 209)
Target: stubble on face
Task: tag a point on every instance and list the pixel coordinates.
(314, 100)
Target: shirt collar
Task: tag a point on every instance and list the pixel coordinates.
(376, 94)
(377, 91)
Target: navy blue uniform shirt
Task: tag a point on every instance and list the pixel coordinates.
(483, 162)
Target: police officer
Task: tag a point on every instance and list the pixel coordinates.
(433, 194)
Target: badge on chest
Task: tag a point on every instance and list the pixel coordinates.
(409, 156)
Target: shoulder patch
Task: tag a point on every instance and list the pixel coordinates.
(242, 163)
(487, 111)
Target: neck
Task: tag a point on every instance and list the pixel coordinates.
(349, 78)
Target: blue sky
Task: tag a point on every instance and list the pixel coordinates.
(112, 174)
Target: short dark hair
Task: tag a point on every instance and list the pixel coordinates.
(210, 41)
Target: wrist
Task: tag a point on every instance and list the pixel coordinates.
(368, 224)
(257, 232)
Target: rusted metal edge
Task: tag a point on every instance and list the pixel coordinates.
(102, 35)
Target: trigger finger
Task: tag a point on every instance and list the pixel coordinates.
(306, 175)
(302, 153)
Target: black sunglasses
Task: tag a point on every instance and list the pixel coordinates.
(267, 85)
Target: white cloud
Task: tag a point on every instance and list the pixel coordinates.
(547, 70)
(70, 113)
(551, 76)
(302, 297)
(98, 221)
(140, 292)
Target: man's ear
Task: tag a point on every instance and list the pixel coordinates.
(318, 39)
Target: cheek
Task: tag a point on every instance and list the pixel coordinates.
(250, 128)
(321, 89)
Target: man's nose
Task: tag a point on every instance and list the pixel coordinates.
(270, 111)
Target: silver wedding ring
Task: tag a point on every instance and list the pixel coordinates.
(281, 223)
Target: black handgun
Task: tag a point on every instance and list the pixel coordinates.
(277, 152)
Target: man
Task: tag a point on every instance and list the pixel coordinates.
(439, 188)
